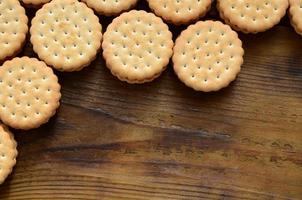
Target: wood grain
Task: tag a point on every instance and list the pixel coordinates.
(162, 140)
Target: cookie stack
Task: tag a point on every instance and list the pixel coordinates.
(137, 46)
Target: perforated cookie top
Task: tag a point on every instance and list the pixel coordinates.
(296, 14)
(252, 16)
(13, 28)
(180, 11)
(8, 152)
(35, 2)
(110, 7)
(66, 34)
(207, 56)
(29, 93)
(137, 46)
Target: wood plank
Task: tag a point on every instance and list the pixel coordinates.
(162, 140)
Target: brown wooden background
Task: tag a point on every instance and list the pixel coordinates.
(162, 140)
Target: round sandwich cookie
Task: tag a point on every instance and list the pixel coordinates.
(13, 28)
(180, 11)
(35, 3)
(110, 7)
(66, 34)
(137, 46)
(295, 12)
(8, 152)
(252, 16)
(29, 93)
(207, 56)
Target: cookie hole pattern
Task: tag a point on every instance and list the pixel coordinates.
(68, 26)
(29, 79)
(208, 56)
(144, 39)
(252, 16)
(180, 11)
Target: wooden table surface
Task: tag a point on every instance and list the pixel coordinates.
(162, 140)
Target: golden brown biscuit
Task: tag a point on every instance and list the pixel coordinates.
(137, 46)
(8, 152)
(110, 7)
(295, 12)
(180, 11)
(13, 28)
(29, 93)
(252, 16)
(207, 56)
(66, 34)
(35, 3)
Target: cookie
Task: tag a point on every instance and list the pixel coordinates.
(35, 3)
(252, 16)
(137, 46)
(66, 34)
(8, 152)
(29, 93)
(207, 56)
(110, 7)
(295, 12)
(180, 11)
(13, 28)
